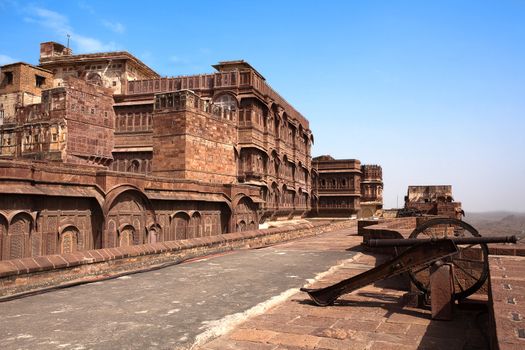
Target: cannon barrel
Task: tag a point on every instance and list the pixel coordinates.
(394, 242)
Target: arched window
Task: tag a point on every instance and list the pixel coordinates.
(134, 166)
(228, 103)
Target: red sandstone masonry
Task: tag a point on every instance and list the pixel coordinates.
(507, 299)
(28, 274)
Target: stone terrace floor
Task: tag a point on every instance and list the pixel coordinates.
(371, 318)
(248, 299)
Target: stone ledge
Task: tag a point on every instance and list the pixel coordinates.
(507, 302)
(27, 274)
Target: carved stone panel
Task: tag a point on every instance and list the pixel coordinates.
(19, 237)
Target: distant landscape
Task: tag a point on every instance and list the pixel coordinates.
(497, 223)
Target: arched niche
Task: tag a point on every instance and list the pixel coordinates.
(17, 241)
(154, 234)
(67, 239)
(126, 205)
(127, 235)
(195, 227)
(179, 225)
(244, 210)
(241, 226)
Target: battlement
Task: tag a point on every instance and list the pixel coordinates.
(372, 172)
(233, 80)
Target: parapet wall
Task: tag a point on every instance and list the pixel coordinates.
(402, 226)
(32, 274)
(507, 298)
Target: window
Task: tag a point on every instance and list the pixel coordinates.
(54, 137)
(39, 81)
(8, 77)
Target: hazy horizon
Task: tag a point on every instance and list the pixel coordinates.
(432, 91)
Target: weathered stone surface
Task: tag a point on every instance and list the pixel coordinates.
(441, 292)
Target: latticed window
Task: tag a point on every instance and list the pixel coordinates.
(226, 101)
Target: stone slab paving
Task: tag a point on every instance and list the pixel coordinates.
(372, 318)
(171, 307)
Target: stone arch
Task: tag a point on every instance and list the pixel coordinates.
(284, 194)
(179, 225)
(195, 225)
(306, 199)
(226, 99)
(276, 194)
(228, 103)
(241, 226)
(253, 161)
(127, 234)
(127, 205)
(134, 166)
(244, 210)
(68, 239)
(113, 194)
(208, 226)
(276, 162)
(20, 225)
(252, 226)
(299, 197)
(154, 234)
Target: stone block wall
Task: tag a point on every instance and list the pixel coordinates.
(90, 123)
(23, 77)
(191, 143)
(507, 297)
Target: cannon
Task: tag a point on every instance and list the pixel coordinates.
(445, 245)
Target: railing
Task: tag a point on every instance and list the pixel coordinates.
(372, 199)
(234, 79)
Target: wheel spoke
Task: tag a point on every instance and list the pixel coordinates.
(458, 282)
(465, 271)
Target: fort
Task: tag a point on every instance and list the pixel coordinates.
(108, 169)
(99, 151)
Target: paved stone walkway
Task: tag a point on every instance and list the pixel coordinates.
(172, 307)
(243, 300)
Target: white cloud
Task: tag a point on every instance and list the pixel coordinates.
(84, 6)
(117, 27)
(180, 60)
(60, 25)
(4, 59)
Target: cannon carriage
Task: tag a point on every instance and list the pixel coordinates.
(443, 255)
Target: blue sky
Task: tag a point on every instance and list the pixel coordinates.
(434, 91)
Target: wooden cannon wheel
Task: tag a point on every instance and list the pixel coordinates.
(470, 265)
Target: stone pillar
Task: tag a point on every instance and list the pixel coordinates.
(441, 291)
